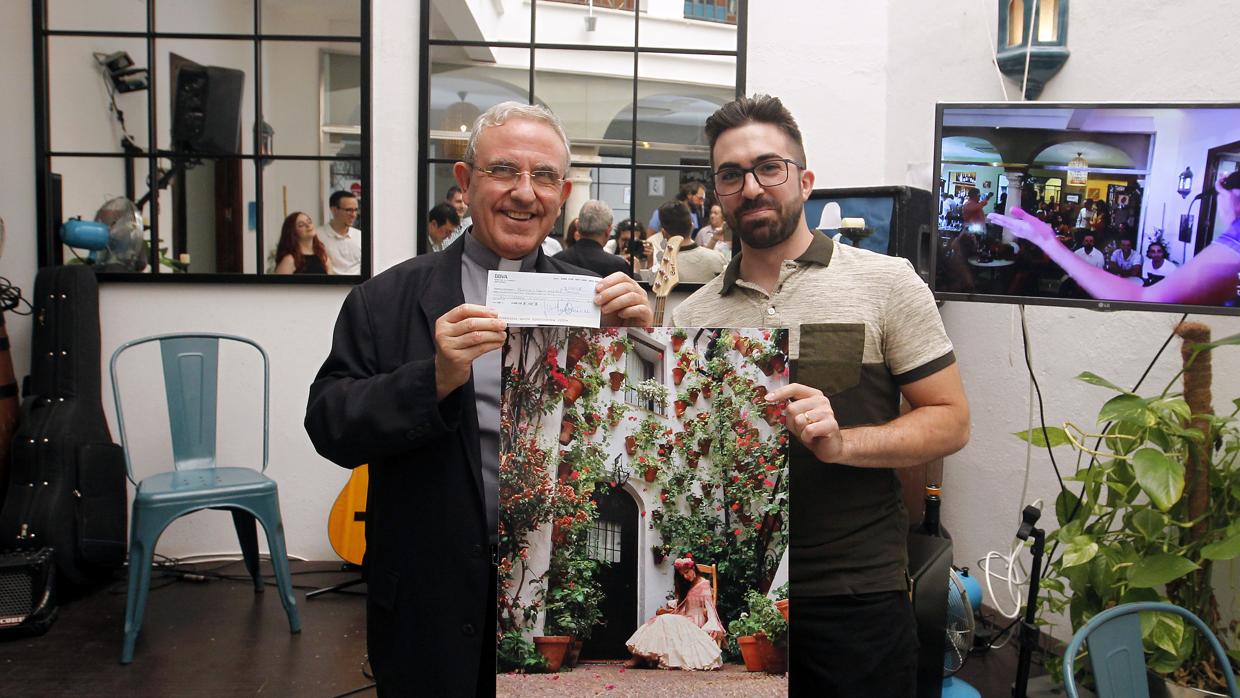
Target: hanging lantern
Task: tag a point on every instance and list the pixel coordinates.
(1078, 171)
(1033, 38)
(1185, 185)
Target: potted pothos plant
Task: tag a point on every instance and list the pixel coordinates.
(1158, 504)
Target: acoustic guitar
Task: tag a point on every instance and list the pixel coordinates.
(666, 278)
(346, 524)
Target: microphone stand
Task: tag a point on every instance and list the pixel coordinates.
(1029, 631)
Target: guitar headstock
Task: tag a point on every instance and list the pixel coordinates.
(667, 276)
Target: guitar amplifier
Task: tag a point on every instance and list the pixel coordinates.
(929, 564)
(27, 591)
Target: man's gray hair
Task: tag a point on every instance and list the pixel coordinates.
(594, 219)
(502, 112)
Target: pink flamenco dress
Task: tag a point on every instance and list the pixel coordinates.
(681, 639)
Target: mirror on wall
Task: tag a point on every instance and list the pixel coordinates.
(214, 120)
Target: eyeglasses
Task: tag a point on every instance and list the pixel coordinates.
(506, 174)
(347, 210)
(768, 173)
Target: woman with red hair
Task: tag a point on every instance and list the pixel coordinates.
(299, 250)
(686, 636)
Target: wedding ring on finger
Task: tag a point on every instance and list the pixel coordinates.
(810, 418)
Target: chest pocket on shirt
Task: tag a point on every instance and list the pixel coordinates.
(830, 356)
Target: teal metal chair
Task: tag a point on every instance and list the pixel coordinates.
(191, 370)
(1117, 657)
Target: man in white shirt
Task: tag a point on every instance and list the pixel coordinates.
(1126, 261)
(1091, 254)
(342, 240)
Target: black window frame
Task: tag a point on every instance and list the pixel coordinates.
(425, 162)
(50, 251)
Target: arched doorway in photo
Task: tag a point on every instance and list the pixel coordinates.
(614, 539)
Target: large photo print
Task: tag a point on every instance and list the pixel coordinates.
(643, 512)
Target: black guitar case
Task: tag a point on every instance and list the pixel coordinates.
(66, 479)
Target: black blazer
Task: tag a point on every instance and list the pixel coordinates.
(588, 254)
(427, 560)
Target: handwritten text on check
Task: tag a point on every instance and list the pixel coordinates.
(526, 298)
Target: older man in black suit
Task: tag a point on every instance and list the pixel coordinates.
(412, 387)
(594, 226)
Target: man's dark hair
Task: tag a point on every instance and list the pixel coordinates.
(452, 191)
(334, 200)
(762, 109)
(688, 189)
(443, 213)
(674, 219)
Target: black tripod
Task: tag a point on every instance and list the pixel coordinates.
(343, 587)
(1029, 631)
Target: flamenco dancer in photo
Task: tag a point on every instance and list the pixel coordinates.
(686, 636)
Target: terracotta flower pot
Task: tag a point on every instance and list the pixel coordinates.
(778, 364)
(677, 343)
(692, 461)
(680, 407)
(706, 390)
(750, 652)
(765, 366)
(651, 473)
(617, 350)
(630, 445)
(553, 648)
(678, 374)
(566, 431)
(617, 380)
(577, 348)
(574, 389)
(704, 446)
(574, 653)
(760, 391)
(774, 659)
(782, 605)
(693, 395)
(658, 554)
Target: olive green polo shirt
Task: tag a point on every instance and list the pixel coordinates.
(860, 325)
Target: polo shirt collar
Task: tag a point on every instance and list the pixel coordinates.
(819, 252)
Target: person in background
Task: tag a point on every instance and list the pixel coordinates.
(1156, 266)
(299, 250)
(974, 211)
(442, 221)
(1091, 254)
(573, 233)
(1125, 261)
(593, 227)
(693, 194)
(629, 231)
(685, 635)
(695, 264)
(342, 241)
(715, 235)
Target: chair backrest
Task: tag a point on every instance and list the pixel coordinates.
(1117, 656)
(714, 581)
(191, 384)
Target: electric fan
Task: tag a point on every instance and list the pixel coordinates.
(115, 238)
(959, 628)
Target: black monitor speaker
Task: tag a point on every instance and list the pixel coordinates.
(929, 566)
(206, 107)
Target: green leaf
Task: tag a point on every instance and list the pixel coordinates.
(1160, 477)
(1177, 406)
(1095, 379)
(1122, 406)
(1149, 523)
(1082, 549)
(1225, 549)
(1163, 630)
(1124, 446)
(1065, 505)
(1159, 569)
(1225, 341)
(1055, 435)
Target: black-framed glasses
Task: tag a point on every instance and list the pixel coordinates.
(768, 173)
(506, 174)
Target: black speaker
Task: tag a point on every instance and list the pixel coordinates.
(1186, 228)
(206, 108)
(929, 565)
(27, 592)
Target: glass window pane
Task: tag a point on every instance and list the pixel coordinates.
(86, 103)
(298, 186)
(198, 17)
(204, 216)
(86, 185)
(341, 18)
(656, 187)
(464, 82)
(217, 102)
(311, 97)
(698, 24)
(455, 20)
(675, 95)
(591, 92)
(607, 23)
(97, 15)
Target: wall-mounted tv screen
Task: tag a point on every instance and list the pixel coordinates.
(1107, 206)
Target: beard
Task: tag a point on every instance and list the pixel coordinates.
(762, 233)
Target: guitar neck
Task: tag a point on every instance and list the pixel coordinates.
(660, 304)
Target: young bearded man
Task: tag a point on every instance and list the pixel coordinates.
(412, 387)
(863, 331)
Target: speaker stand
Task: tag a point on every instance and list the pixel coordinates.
(344, 587)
